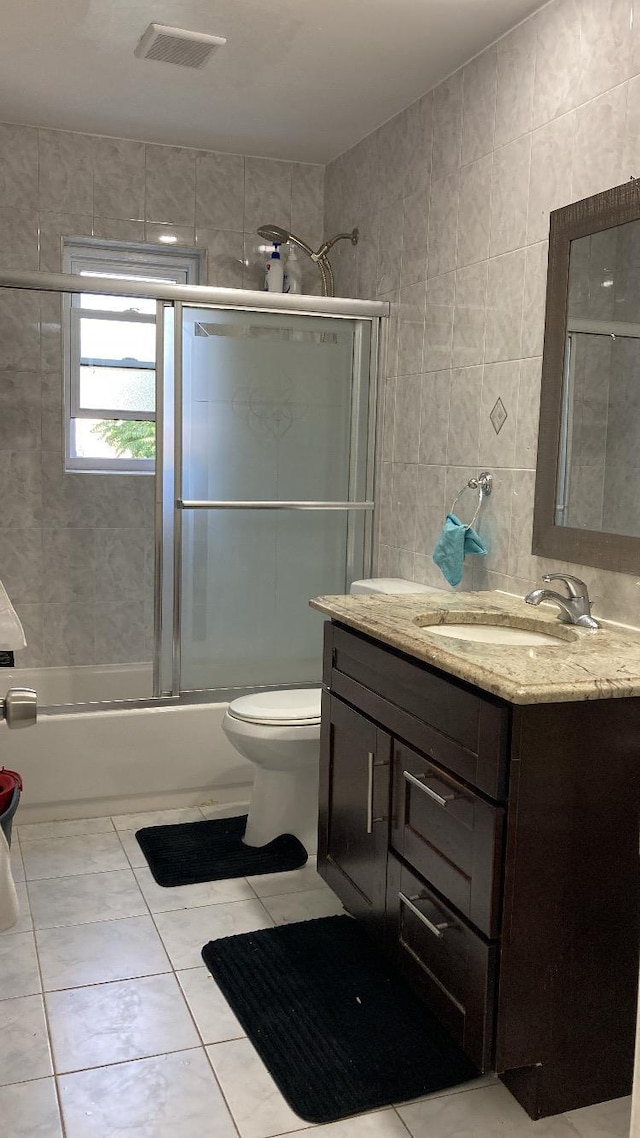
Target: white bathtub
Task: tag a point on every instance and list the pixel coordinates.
(79, 764)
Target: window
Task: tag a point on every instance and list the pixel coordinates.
(110, 356)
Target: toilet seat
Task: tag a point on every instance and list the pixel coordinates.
(282, 708)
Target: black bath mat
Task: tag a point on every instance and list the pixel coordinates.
(339, 1032)
(192, 852)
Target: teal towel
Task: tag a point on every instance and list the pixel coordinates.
(455, 541)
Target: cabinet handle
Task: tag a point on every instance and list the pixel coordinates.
(437, 930)
(441, 799)
(370, 760)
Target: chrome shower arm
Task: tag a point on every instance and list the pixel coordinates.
(352, 237)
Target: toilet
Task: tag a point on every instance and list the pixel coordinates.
(279, 732)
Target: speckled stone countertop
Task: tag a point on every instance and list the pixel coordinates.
(600, 664)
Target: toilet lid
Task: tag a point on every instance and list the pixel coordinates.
(293, 705)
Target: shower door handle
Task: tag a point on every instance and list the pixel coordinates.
(20, 708)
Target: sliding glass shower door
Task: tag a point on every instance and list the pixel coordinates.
(273, 418)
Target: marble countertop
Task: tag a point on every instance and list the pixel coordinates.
(600, 664)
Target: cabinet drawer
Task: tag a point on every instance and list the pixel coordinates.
(452, 967)
(449, 835)
(466, 731)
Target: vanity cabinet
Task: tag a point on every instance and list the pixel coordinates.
(492, 849)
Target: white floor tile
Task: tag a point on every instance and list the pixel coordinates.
(157, 818)
(24, 1046)
(170, 1096)
(19, 975)
(77, 827)
(88, 897)
(24, 923)
(258, 1108)
(294, 881)
(303, 906)
(486, 1113)
(30, 1110)
(214, 1019)
(488, 1080)
(162, 900)
(112, 1023)
(186, 931)
(75, 955)
(132, 849)
(17, 867)
(378, 1124)
(66, 857)
(606, 1120)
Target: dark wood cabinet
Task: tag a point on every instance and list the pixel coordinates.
(354, 810)
(493, 851)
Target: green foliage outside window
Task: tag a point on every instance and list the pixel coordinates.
(128, 437)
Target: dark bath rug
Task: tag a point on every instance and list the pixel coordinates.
(339, 1032)
(191, 852)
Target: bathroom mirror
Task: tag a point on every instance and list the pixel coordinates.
(587, 507)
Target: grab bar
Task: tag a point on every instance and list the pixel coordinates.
(184, 504)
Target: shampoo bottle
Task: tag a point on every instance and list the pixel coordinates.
(293, 272)
(274, 275)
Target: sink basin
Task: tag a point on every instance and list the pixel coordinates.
(496, 634)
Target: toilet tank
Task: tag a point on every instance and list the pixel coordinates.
(390, 585)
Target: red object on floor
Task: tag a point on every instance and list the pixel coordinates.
(8, 782)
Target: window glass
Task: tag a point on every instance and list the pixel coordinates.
(117, 340)
(113, 439)
(110, 349)
(125, 388)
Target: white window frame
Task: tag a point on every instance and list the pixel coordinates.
(89, 255)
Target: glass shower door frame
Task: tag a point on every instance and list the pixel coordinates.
(171, 504)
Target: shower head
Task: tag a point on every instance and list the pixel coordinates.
(274, 233)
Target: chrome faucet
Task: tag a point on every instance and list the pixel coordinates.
(575, 608)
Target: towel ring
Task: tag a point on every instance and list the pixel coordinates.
(484, 485)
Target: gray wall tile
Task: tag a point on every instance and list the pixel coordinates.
(18, 166)
(220, 191)
(447, 126)
(516, 65)
(474, 214)
(118, 178)
(479, 105)
(170, 185)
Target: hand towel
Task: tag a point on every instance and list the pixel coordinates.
(11, 631)
(8, 897)
(455, 541)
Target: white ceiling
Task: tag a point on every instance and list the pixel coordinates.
(298, 79)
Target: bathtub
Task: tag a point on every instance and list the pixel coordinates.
(90, 762)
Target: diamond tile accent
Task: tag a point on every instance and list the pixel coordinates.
(498, 415)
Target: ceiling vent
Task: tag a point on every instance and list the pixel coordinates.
(176, 45)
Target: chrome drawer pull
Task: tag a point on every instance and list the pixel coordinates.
(441, 799)
(437, 930)
(370, 759)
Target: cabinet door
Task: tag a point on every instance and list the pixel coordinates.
(355, 758)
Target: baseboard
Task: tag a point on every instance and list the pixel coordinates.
(133, 804)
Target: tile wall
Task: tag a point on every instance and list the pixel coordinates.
(452, 198)
(76, 549)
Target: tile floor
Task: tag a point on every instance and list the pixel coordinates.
(110, 1025)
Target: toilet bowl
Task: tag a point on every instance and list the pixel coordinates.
(279, 732)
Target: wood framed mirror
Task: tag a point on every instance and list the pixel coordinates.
(587, 503)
